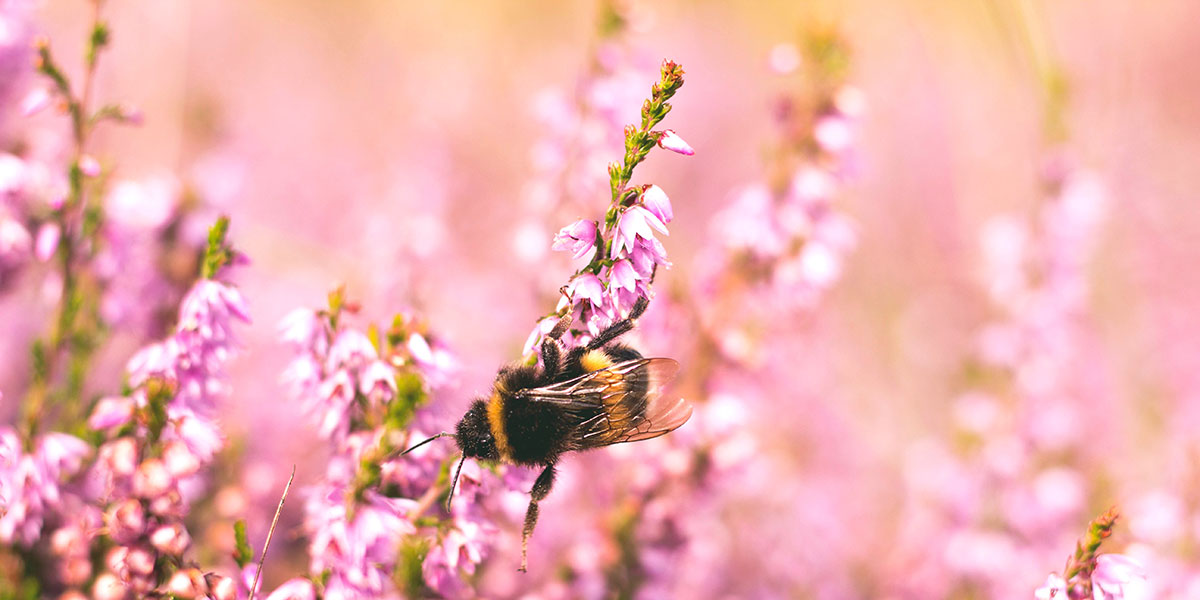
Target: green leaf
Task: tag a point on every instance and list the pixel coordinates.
(242, 554)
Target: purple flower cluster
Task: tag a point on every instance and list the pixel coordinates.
(30, 482)
(364, 513)
(633, 258)
(161, 436)
(623, 252)
(790, 231)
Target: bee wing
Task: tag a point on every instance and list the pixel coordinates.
(622, 403)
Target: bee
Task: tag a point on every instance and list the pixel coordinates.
(595, 395)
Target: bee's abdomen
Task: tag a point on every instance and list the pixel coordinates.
(537, 432)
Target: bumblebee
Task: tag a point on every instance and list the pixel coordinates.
(598, 394)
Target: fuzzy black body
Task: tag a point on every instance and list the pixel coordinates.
(596, 395)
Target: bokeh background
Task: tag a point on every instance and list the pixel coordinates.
(390, 146)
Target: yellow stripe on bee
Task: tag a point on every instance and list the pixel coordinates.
(594, 360)
(495, 413)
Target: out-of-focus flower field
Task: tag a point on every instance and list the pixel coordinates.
(928, 269)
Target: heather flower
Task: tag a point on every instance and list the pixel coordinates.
(674, 143)
(1118, 577)
(294, 589)
(30, 483)
(436, 363)
(635, 224)
(655, 200)
(1055, 588)
(586, 286)
(579, 238)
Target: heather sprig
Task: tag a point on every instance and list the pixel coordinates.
(785, 237)
(1090, 575)
(72, 234)
(374, 521)
(624, 251)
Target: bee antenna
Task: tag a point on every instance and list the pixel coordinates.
(454, 482)
(440, 435)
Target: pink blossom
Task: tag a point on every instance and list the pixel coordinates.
(294, 589)
(634, 224)
(655, 200)
(142, 205)
(111, 411)
(35, 101)
(578, 237)
(586, 286)
(88, 165)
(351, 349)
(1118, 577)
(15, 241)
(305, 329)
(671, 141)
(1055, 588)
(47, 241)
(378, 382)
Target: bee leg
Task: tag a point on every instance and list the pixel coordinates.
(541, 488)
(551, 350)
(619, 328)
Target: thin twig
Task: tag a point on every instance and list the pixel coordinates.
(270, 532)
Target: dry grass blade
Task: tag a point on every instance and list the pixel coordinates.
(270, 532)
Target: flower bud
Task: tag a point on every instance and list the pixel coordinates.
(120, 456)
(109, 587)
(179, 460)
(152, 479)
(671, 141)
(126, 520)
(140, 562)
(76, 570)
(65, 539)
(188, 583)
(224, 589)
(171, 539)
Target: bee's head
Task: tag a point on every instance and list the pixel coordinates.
(474, 435)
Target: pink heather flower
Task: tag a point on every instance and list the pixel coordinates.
(783, 58)
(142, 205)
(47, 241)
(35, 101)
(351, 349)
(206, 316)
(850, 101)
(111, 411)
(332, 405)
(294, 589)
(1118, 577)
(88, 165)
(360, 553)
(671, 141)
(171, 539)
(833, 134)
(378, 382)
(1055, 588)
(636, 222)
(15, 240)
(542, 328)
(29, 482)
(304, 329)
(437, 365)
(578, 237)
(201, 435)
(655, 200)
(586, 286)
(623, 276)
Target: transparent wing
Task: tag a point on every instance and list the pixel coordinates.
(623, 403)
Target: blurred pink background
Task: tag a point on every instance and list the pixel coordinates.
(386, 145)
